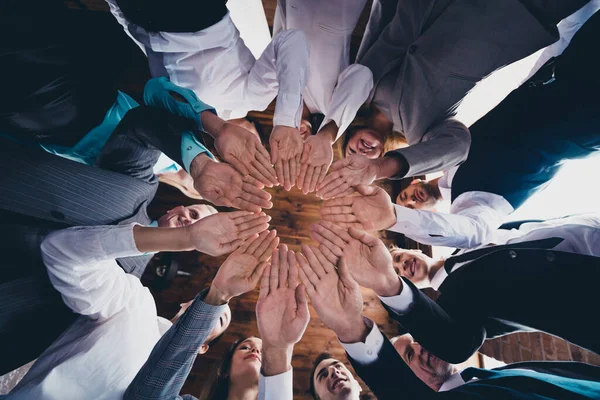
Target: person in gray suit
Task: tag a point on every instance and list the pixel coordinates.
(425, 56)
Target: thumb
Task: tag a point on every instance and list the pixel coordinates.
(231, 246)
(339, 165)
(302, 300)
(365, 190)
(237, 164)
(258, 271)
(363, 237)
(305, 153)
(344, 273)
(274, 152)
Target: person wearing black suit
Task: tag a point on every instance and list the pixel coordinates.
(337, 299)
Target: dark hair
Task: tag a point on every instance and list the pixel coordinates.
(323, 356)
(215, 340)
(218, 389)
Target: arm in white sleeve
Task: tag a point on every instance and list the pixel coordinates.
(81, 264)
(472, 220)
(366, 352)
(401, 303)
(118, 14)
(284, 65)
(442, 147)
(276, 387)
(352, 90)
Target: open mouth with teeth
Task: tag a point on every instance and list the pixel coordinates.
(339, 382)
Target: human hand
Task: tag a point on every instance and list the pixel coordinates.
(344, 174)
(371, 210)
(333, 293)
(243, 268)
(282, 309)
(244, 151)
(222, 233)
(315, 161)
(367, 258)
(222, 185)
(286, 148)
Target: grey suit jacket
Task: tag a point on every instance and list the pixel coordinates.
(437, 51)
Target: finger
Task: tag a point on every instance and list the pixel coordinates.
(240, 217)
(258, 271)
(345, 218)
(315, 179)
(315, 265)
(307, 275)
(254, 182)
(338, 202)
(310, 288)
(266, 171)
(337, 231)
(256, 173)
(255, 243)
(364, 237)
(279, 170)
(365, 190)
(265, 250)
(287, 181)
(302, 302)
(302, 176)
(329, 267)
(274, 153)
(337, 210)
(308, 179)
(238, 165)
(263, 155)
(258, 220)
(293, 270)
(329, 179)
(348, 192)
(294, 165)
(332, 258)
(283, 266)
(337, 191)
(254, 200)
(328, 238)
(231, 246)
(345, 276)
(338, 185)
(305, 153)
(322, 175)
(264, 283)
(244, 247)
(275, 266)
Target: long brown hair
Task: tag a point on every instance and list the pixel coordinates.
(218, 389)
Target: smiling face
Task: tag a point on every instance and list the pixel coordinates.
(183, 216)
(246, 360)
(413, 265)
(419, 195)
(427, 367)
(332, 380)
(366, 142)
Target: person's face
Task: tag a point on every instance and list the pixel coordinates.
(365, 142)
(418, 195)
(427, 367)
(332, 380)
(413, 265)
(220, 327)
(247, 359)
(183, 216)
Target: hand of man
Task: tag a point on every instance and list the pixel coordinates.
(243, 268)
(367, 258)
(286, 149)
(243, 150)
(371, 210)
(344, 174)
(222, 185)
(316, 159)
(333, 293)
(222, 233)
(281, 311)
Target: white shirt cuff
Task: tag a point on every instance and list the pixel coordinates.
(288, 110)
(276, 387)
(367, 352)
(400, 303)
(406, 219)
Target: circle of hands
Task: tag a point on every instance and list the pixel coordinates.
(329, 275)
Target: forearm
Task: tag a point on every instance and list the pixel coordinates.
(276, 360)
(151, 240)
(212, 123)
(391, 167)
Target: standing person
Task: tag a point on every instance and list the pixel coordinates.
(253, 368)
(425, 57)
(199, 48)
(335, 89)
(102, 351)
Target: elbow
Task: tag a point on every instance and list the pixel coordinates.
(465, 347)
(360, 74)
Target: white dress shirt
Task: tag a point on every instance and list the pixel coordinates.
(334, 88)
(276, 387)
(102, 351)
(217, 65)
(473, 218)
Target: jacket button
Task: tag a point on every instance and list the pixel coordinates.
(550, 256)
(512, 254)
(57, 215)
(412, 49)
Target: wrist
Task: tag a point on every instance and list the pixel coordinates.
(276, 360)
(212, 124)
(388, 167)
(216, 296)
(392, 287)
(355, 332)
(198, 164)
(329, 132)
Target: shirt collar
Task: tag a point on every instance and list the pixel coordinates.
(453, 382)
(438, 278)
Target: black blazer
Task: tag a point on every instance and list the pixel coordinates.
(506, 291)
(390, 378)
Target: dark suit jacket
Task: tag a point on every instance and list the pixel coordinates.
(506, 291)
(390, 378)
